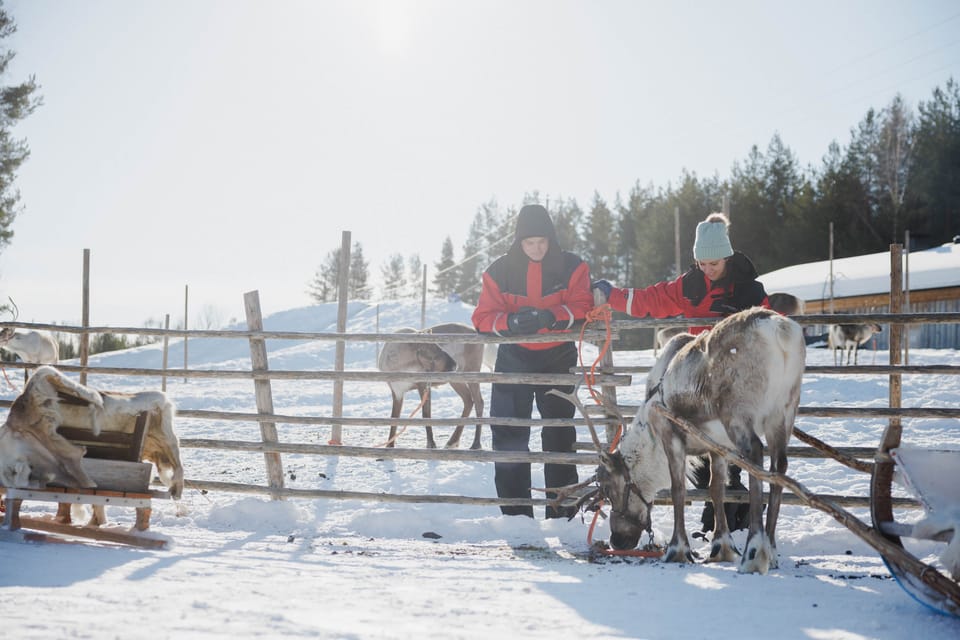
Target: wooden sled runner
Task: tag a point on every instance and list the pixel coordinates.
(934, 476)
(113, 462)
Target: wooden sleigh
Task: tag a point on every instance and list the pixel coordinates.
(113, 461)
(934, 477)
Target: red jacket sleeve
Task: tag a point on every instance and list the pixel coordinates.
(490, 316)
(662, 300)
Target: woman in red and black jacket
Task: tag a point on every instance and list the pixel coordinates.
(536, 287)
(721, 282)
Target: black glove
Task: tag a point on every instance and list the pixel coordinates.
(723, 306)
(523, 322)
(604, 286)
(547, 319)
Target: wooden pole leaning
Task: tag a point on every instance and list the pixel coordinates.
(262, 389)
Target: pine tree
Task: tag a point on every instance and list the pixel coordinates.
(444, 272)
(568, 220)
(394, 277)
(325, 285)
(895, 157)
(489, 237)
(359, 274)
(415, 276)
(600, 243)
(16, 103)
(936, 171)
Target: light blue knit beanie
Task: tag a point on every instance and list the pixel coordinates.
(712, 241)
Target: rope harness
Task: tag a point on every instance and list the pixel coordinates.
(604, 313)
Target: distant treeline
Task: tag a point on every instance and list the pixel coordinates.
(899, 171)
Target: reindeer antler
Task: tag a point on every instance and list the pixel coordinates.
(575, 401)
(565, 492)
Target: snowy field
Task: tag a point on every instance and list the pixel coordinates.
(242, 566)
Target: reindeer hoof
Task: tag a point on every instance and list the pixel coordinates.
(722, 551)
(758, 557)
(679, 554)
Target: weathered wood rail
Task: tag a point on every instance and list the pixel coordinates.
(610, 377)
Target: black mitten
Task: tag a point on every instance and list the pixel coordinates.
(523, 322)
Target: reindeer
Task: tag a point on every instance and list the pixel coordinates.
(786, 304)
(737, 383)
(849, 337)
(37, 347)
(430, 358)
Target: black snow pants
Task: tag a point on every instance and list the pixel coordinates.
(516, 401)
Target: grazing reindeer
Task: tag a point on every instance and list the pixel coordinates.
(849, 337)
(430, 358)
(37, 347)
(738, 383)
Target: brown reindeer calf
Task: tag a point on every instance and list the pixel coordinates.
(422, 357)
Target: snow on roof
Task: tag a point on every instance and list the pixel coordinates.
(868, 274)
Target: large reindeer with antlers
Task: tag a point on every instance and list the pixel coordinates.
(428, 358)
(739, 384)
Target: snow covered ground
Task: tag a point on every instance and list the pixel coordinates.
(242, 566)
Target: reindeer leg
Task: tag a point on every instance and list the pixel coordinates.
(673, 444)
(464, 394)
(478, 406)
(424, 390)
(757, 552)
(722, 549)
(777, 445)
(394, 413)
(778, 464)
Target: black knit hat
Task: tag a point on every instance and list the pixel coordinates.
(534, 221)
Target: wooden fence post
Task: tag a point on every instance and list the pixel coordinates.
(423, 300)
(186, 311)
(85, 315)
(881, 508)
(166, 342)
(264, 395)
(336, 429)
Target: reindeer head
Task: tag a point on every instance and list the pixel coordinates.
(6, 334)
(629, 509)
(630, 479)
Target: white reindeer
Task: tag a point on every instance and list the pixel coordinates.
(35, 347)
(849, 337)
(428, 358)
(740, 384)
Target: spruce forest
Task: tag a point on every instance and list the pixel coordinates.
(898, 172)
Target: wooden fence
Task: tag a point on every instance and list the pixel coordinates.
(609, 379)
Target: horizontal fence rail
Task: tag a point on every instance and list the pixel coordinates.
(611, 376)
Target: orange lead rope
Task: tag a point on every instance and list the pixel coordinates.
(597, 314)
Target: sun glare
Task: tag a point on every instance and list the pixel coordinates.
(394, 26)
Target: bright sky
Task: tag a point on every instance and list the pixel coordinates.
(225, 145)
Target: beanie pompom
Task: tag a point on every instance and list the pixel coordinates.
(712, 241)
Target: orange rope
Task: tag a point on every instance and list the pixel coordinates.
(423, 401)
(7, 378)
(604, 314)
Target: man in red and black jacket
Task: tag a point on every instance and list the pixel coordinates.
(536, 287)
